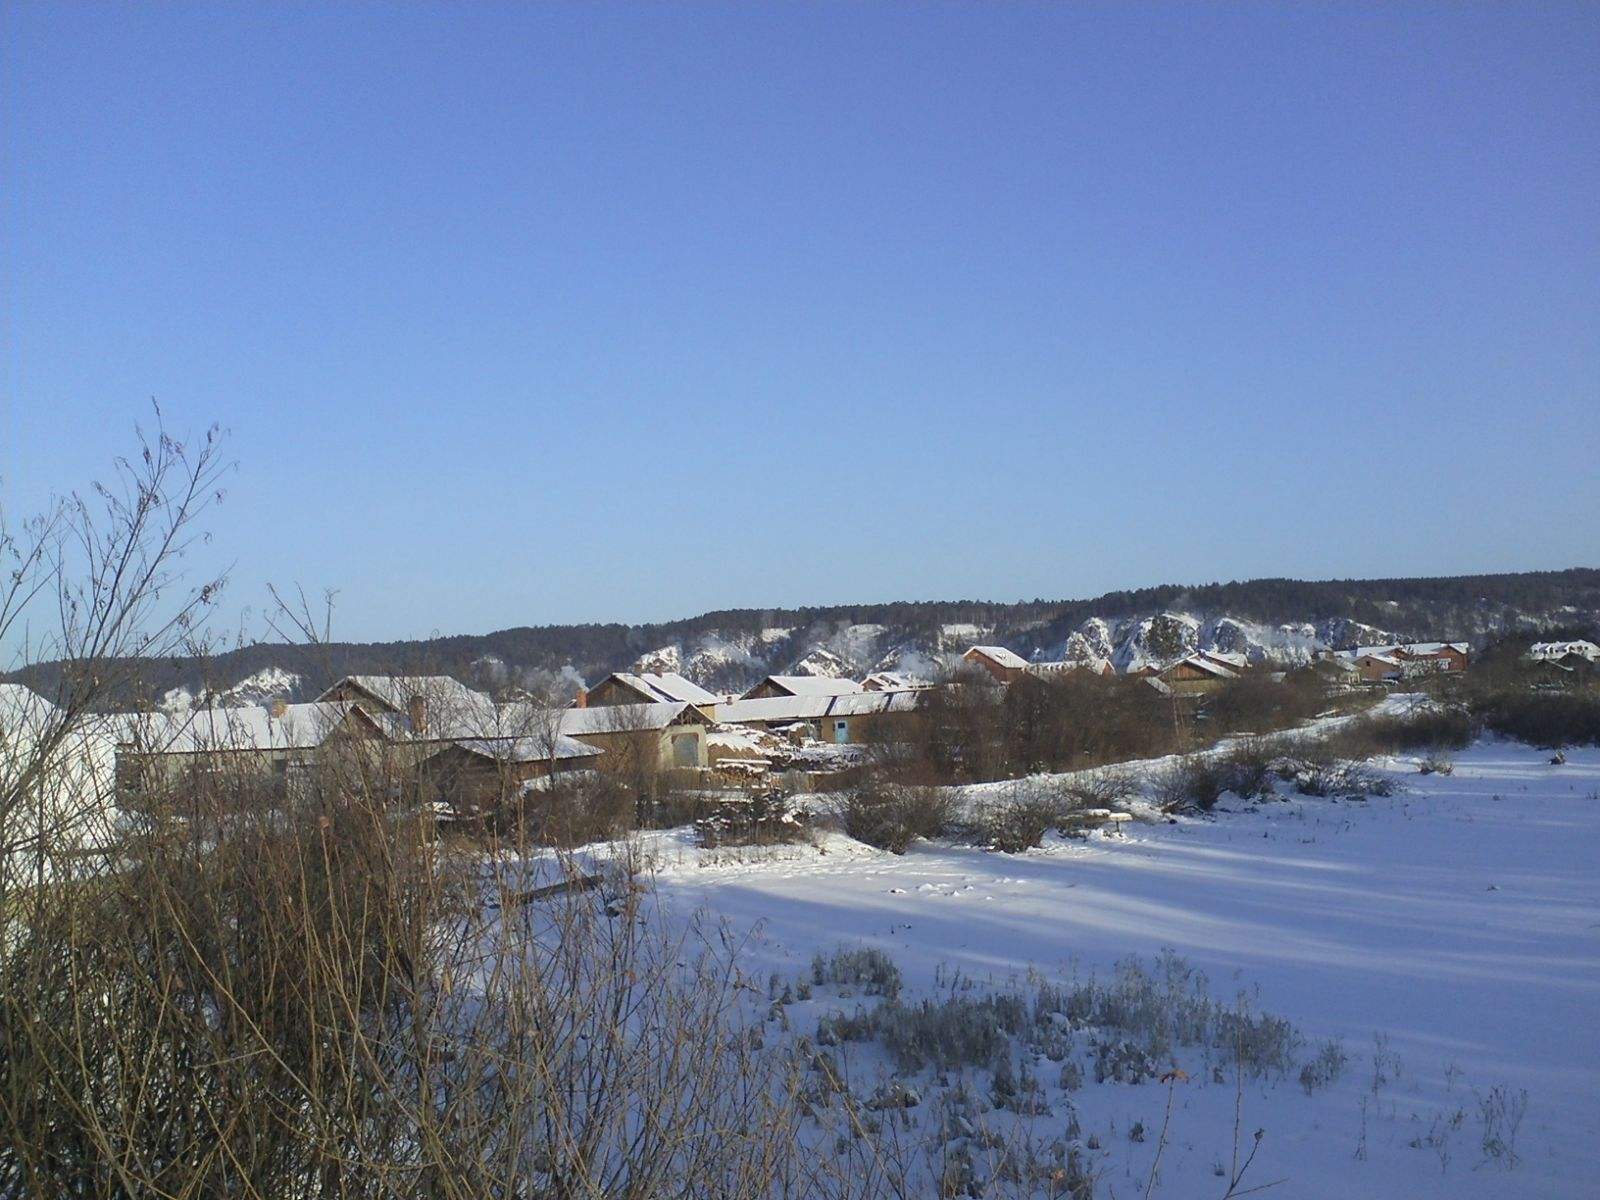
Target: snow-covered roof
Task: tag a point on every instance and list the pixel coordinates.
(253, 727)
(812, 685)
(665, 687)
(1368, 651)
(1228, 658)
(622, 718)
(23, 710)
(1582, 648)
(1202, 663)
(446, 697)
(528, 749)
(886, 681)
(1417, 649)
(1097, 666)
(1000, 655)
(766, 709)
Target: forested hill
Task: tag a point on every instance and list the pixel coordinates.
(1272, 619)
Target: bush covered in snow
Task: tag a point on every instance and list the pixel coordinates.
(766, 819)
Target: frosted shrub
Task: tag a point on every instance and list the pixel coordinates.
(767, 819)
(1500, 1114)
(864, 967)
(1319, 772)
(1264, 1044)
(1325, 1068)
(958, 1031)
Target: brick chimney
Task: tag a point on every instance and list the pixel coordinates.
(277, 708)
(417, 710)
(581, 700)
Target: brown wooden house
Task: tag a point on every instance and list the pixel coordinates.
(475, 779)
(1005, 666)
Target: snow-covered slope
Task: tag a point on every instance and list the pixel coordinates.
(1161, 638)
(266, 685)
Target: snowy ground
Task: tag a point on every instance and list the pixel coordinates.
(1458, 919)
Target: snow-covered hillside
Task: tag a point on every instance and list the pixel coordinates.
(1128, 642)
(1161, 638)
(266, 685)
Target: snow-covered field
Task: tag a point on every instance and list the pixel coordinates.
(1450, 932)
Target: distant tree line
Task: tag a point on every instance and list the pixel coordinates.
(1452, 606)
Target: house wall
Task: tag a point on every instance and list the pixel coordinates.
(1448, 659)
(619, 746)
(1001, 674)
(1373, 671)
(860, 727)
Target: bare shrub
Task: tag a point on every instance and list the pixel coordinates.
(891, 816)
(1020, 818)
(1325, 1067)
(1105, 788)
(577, 810)
(1132, 1022)
(1193, 783)
(1247, 768)
(1431, 726)
(1549, 720)
(1500, 1113)
(863, 967)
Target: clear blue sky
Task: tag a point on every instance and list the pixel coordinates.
(545, 313)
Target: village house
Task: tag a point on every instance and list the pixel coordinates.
(1407, 660)
(801, 685)
(1435, 656)
(1374, 666)
(283, 742)
(838, 719)
(62, 775)
(470, 779)
(1568, 654)
(887, 681)
(1196, 674)
(654, 736)
(1229, 659)
(1003, 665)
(421, 706)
